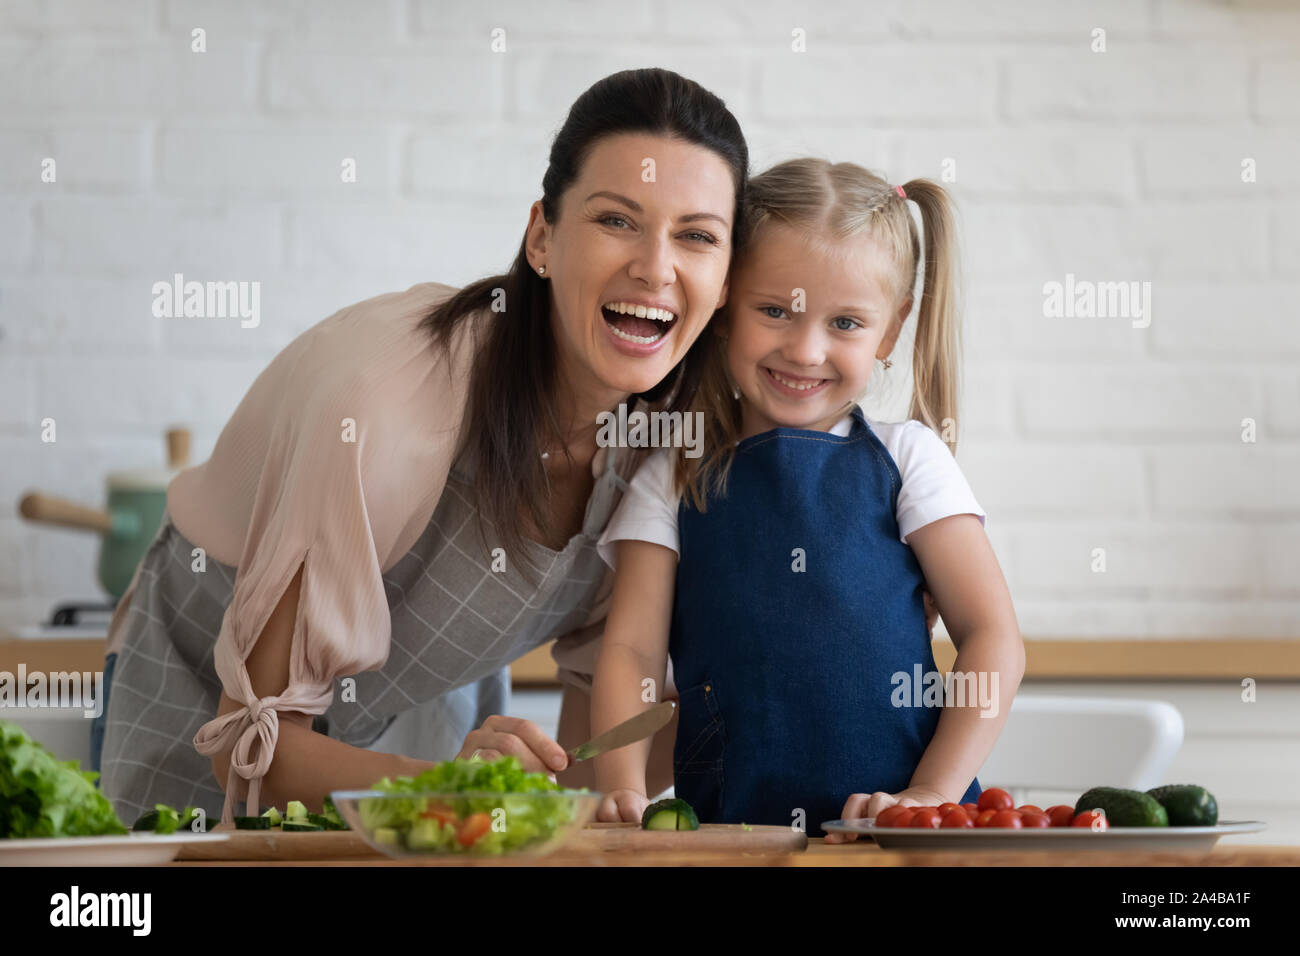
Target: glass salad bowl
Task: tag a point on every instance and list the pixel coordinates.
(466, 823)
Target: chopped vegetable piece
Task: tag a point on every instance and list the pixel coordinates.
(168, 819)
(163, 819)
(324, 822)
(330, 812)
(671, 813)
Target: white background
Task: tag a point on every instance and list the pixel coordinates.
(1077, 433)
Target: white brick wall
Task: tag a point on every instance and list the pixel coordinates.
(1118, 166)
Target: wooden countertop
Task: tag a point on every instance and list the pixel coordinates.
(1137, 659)
(1046, 658)
(819, 853)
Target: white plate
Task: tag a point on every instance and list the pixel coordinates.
(1044, 838)
(133, 849)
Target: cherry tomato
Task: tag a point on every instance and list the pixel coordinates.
(1095, 819)
(926, 818)
(996, 799)
(1029, 818)
(1061, 815)
(947, 808)
(985, 818)
(957, 818)
(1007, 818)
(1030, 807)
(971, 808)
(904, 819)
(474, 826)
(887, 816)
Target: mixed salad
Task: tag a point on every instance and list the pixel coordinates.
(503, 808)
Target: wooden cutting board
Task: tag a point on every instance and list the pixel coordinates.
(595, 838)
(709, 838)
(278, 845)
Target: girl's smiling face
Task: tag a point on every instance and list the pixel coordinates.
(805, 369)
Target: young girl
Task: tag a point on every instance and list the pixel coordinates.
(783, 568)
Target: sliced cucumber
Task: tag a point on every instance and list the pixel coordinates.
(252, 823)
(296, 810)
(300, 826)
(329, 811)
(324, 822)
(274, 816)
(671, 813)
(425, 834)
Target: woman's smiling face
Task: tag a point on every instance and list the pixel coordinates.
(805, 369)
(620, 239)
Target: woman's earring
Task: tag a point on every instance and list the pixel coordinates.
(888, 363)
(541, 270)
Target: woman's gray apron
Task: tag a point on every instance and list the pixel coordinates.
(456, 626)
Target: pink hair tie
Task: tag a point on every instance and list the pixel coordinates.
(899, 190)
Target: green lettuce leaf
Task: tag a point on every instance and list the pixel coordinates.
(42, 796)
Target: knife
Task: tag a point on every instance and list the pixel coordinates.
(629, 731)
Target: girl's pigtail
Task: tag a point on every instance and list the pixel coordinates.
(936, 356)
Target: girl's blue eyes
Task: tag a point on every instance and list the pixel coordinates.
(704, 236)
(853, 324)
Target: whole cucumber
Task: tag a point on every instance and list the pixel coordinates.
(1124, 808)
(1187, 805)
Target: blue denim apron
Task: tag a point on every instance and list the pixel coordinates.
(787, 678)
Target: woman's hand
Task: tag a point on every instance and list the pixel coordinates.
(516, 736)
(622, 806)
(861, 805)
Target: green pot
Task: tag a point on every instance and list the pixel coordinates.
(136, 502)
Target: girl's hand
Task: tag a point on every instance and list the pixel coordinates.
(861, 805)
(931, 611)
(499, 735)
(622, 806)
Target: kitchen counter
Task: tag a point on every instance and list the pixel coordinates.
(856, 853)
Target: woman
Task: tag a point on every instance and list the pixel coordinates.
(409, 496)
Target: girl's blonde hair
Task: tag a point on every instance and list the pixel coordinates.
(832, 202)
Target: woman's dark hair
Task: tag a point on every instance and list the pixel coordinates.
(511, 410)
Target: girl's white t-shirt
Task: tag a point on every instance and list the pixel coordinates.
(933, 488)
